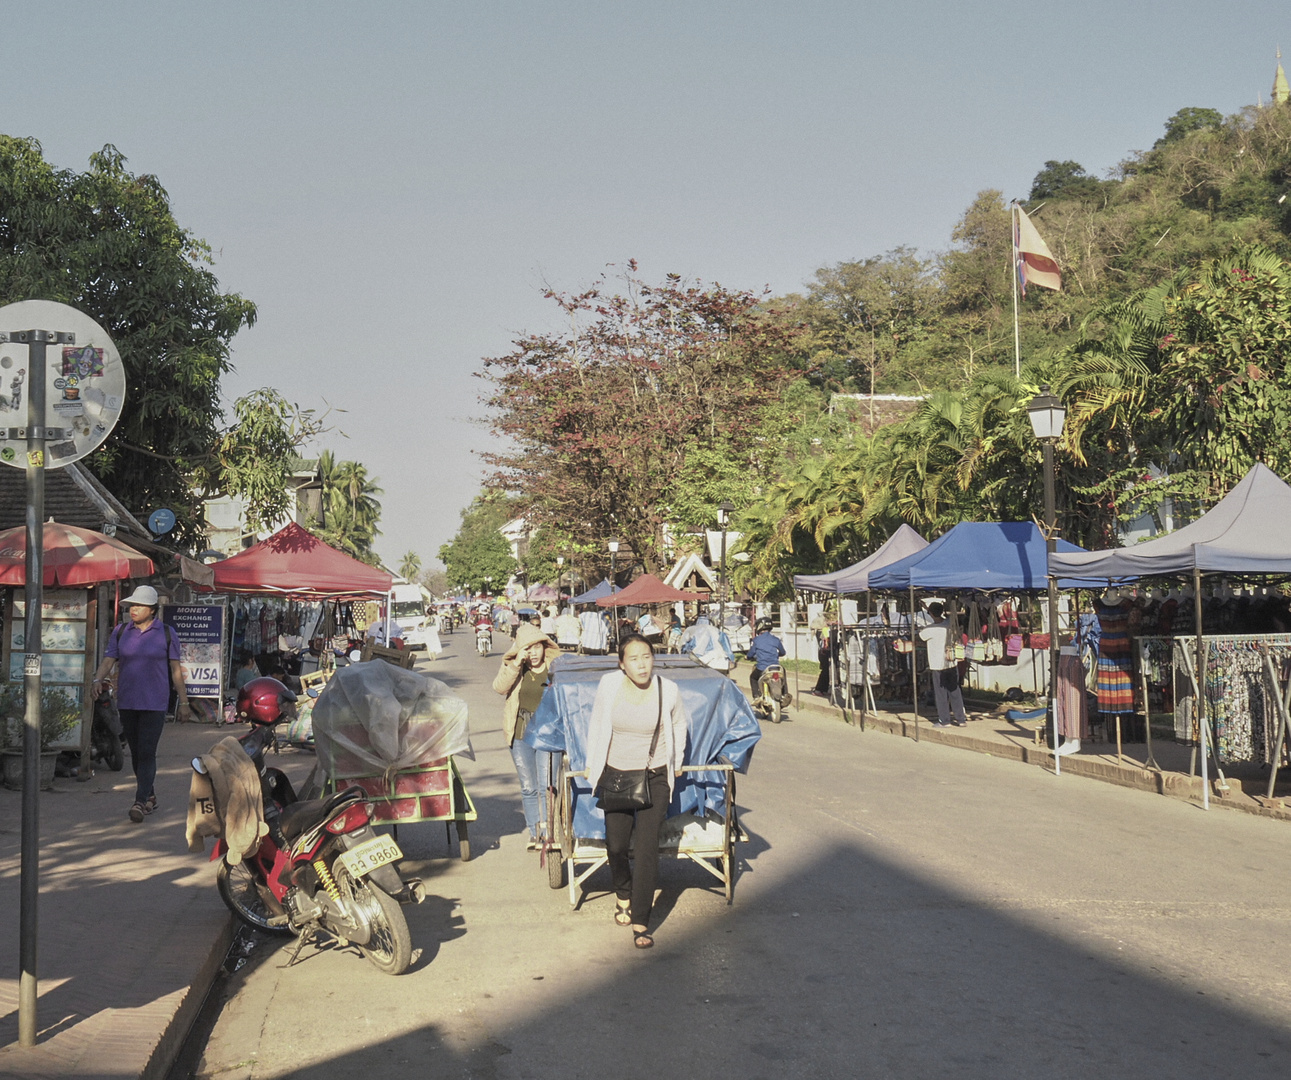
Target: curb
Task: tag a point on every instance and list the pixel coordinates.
(1170, 784)
(173, 1035)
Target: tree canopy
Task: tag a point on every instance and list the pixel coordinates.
(105, 241)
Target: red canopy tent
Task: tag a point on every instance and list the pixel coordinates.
(295, 562)
(72, 557)
(647, 589)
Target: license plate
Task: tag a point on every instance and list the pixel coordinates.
(369, 855)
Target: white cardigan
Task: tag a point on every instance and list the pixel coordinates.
(601, 727)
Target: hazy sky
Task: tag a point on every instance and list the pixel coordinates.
(392, 183)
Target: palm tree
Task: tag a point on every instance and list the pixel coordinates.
(410, 566)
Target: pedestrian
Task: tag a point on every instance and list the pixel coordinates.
(246, 672)
(595, 638)
(638, 722)
(944, 672)
(145, 653)
(764, 650)
(824, 656)
(522, 678)
(568, 630)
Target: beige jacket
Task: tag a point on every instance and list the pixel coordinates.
(507, 680)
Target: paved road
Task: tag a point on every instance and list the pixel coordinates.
(905, 910)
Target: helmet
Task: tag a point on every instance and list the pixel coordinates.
(763, 625)
(262, 701)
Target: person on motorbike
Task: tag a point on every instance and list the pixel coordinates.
(764, 650)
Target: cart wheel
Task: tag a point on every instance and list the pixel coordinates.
(463, 843)
(555, 868)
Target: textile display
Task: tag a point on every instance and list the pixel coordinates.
(1115, 661)
(1071, 698)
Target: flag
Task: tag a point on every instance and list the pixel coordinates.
(1035, 262)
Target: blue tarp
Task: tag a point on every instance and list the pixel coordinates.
(980, 555)
(722, 727)
(594, 593)
(856, 578)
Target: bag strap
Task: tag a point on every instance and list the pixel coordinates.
(658, 724)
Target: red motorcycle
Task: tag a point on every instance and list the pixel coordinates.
(321, 868)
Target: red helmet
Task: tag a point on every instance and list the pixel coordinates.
(262, 701)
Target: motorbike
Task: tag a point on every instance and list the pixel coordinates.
(105, 734)
(484, 638)
(773, 694)
(322, 868)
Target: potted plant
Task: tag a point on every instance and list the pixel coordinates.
(58, 715)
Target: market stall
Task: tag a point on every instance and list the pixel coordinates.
(1232, 689)
(75, 561)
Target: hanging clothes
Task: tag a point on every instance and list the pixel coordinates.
(1115, 661)
(1070, 695)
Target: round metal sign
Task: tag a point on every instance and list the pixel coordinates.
(85, 383)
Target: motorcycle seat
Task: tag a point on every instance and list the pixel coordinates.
(300, 817)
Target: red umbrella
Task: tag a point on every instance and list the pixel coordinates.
(72, 557)
(647, 589)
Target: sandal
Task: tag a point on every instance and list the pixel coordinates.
(150, 805)
(622, 914)
(137, 812)
(642, 940)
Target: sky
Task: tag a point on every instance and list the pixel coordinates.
(394, 184)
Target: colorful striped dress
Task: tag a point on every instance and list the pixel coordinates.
(1115, 661)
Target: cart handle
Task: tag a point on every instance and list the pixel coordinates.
(722, 767)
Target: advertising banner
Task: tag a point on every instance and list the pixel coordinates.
(200, 630)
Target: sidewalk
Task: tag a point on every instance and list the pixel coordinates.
(131, 928)
(988, 732)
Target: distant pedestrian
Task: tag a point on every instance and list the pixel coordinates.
(145, 653)
(595, 638)
(246, 672)
(944, 672)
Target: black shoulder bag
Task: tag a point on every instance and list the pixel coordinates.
(630, 790)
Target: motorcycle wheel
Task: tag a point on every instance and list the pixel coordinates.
(775, 711)
(237, 888)
(115, 758)
(389, 947)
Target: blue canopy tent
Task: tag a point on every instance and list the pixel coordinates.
(980, 555)
(855, 578)
(594, 593)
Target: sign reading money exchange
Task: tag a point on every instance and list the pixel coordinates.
(200, 630)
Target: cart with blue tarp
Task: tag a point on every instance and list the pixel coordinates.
(702, 823)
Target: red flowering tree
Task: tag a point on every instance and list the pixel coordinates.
(600, 420)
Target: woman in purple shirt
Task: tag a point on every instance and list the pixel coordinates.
(146, 653)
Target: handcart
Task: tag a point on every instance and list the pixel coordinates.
(396, 734)
(704, 823)
(430, 792)
(708, 842)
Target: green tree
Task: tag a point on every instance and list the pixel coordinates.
(410, 566)
(1063, 180)
(603, 416)
(1188, 120)
(479, 551)
(105, 241)
(351, 510)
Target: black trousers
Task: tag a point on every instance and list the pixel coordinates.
(636, 883)
(142, 729)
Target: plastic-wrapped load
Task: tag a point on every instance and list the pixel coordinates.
(374, 718)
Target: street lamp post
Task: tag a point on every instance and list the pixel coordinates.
(723, 516)
(560, 573)
(1047, 415)
(613, 545)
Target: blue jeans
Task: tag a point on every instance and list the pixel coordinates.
(534, 769)
(142, 729)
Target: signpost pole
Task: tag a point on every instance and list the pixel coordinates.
(29, 885)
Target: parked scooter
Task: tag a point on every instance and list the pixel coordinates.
(106, 733)
(773, 694)
(322, 867)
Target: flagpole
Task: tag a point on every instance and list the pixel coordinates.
(1013, 273)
